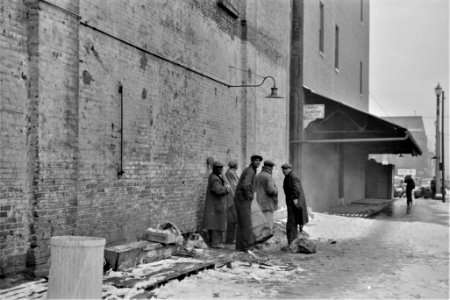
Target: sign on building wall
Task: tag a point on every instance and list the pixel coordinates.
(314, 111)
(404, 172)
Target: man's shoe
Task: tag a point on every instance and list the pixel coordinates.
(285, 248)
(257, 246)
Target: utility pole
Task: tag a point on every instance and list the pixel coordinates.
(296, 97)
(438, 91)
(443, 148)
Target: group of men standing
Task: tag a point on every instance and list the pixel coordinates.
(228, 203)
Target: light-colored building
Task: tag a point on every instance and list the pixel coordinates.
(331, 150)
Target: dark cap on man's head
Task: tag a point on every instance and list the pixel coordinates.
(232, 163)
(286, 166)
(269, 163)
(256, 156)
(217, 164)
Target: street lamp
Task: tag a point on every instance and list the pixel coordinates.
(274, 89)
(438, 91)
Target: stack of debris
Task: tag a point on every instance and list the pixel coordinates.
(135, 268)
(158, 244)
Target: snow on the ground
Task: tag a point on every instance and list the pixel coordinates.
(404, 234)
(413, 260)
(356, 258)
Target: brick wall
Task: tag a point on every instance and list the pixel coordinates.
(14, 128)
(54, 207)
(174, 60)
(173, 118)
(269, 56)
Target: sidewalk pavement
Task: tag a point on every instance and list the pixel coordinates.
(364, 208)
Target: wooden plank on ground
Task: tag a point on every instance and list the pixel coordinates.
(21, 286)
(154, 279)
(34, 289)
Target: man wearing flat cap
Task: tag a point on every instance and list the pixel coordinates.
(267, 192)
(295, 202)
(215, 215)
(245, 238)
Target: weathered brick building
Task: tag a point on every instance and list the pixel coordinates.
(93, 88)
(110, 109)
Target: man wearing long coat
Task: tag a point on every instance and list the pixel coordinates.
(232, 178)
(245, 238)
(410, 185)
(295, 202)
(267, 192)
(215, 215)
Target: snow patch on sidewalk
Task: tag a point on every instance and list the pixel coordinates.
(405, 234)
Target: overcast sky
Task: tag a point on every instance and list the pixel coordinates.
(409, 55)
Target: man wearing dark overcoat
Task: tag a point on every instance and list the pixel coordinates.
(245, 238)
(215, 215)
(295, 202)
(233, 179)
(267, 192)
(410, 185)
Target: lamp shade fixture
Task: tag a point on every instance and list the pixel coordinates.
(274, 89)
(438, 90)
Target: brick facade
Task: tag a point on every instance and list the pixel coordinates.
(14, 132)
(67, 129)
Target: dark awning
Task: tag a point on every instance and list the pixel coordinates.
(345, 124)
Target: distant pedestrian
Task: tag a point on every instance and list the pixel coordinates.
(410, 185)
(245, 238)
(433, 187)
(267, 192)
(215, 206)
(295, 202)
(233, 179)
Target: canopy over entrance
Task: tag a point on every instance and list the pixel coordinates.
(344, 124)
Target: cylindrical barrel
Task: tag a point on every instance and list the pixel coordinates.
(76, 267)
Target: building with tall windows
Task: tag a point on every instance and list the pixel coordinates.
(331, 132)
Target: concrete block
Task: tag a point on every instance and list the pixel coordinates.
(161, 236)
(167, 233)
(128, 255)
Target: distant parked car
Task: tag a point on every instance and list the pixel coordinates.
(399, 187)
(417, 191)
(399, 192)
(425, 186)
